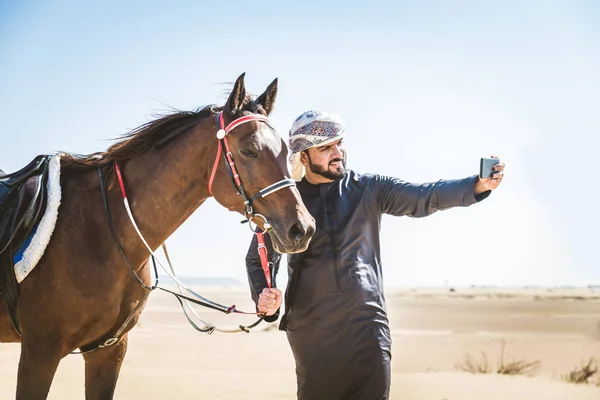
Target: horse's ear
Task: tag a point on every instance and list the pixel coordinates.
(237, 96)
(267, 99)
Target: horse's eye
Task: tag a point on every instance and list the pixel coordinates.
(249, 153)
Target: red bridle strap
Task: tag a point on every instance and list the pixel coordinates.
(222, 136)
(214, 169)
(241, 120)
(264, 260)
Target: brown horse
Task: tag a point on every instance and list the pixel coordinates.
(81, 293)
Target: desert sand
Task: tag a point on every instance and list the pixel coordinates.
(433, 330)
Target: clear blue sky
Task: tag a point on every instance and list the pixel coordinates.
(426, 89)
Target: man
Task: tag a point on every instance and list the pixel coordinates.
(335, 314)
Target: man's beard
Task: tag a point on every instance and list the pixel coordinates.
(327, 172)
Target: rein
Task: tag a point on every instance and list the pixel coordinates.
(249, 214)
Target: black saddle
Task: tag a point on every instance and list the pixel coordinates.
(23, 196)
(8, 181)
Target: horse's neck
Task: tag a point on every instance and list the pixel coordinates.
(165, 186)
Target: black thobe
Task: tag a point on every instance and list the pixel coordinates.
(335, 319)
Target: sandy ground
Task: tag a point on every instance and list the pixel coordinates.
(432, 332)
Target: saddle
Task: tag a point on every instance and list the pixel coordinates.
(23, 196)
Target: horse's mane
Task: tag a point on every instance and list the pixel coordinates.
(141, 139)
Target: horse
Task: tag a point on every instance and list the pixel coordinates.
(80, 293)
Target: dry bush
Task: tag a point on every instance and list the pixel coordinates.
(516, 367)
(475, 366)
(512, 367)
(582, 374)
(519, 367)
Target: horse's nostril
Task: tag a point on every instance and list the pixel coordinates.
(297, 231)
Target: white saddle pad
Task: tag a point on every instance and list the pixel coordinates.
(30, 253)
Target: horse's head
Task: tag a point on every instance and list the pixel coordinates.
(264, 192)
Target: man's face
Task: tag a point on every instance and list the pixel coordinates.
(328, 161)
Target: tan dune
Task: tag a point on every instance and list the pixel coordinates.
(432, 331)
(451, 386)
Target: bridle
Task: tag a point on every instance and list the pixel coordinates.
(232, 171)
(249, 215)
(239, 186)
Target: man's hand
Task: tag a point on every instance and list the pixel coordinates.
(485, 184)
(269, 301)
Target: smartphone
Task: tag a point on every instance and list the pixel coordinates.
(486, 167)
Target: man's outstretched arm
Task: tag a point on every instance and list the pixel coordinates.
(398, 197)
